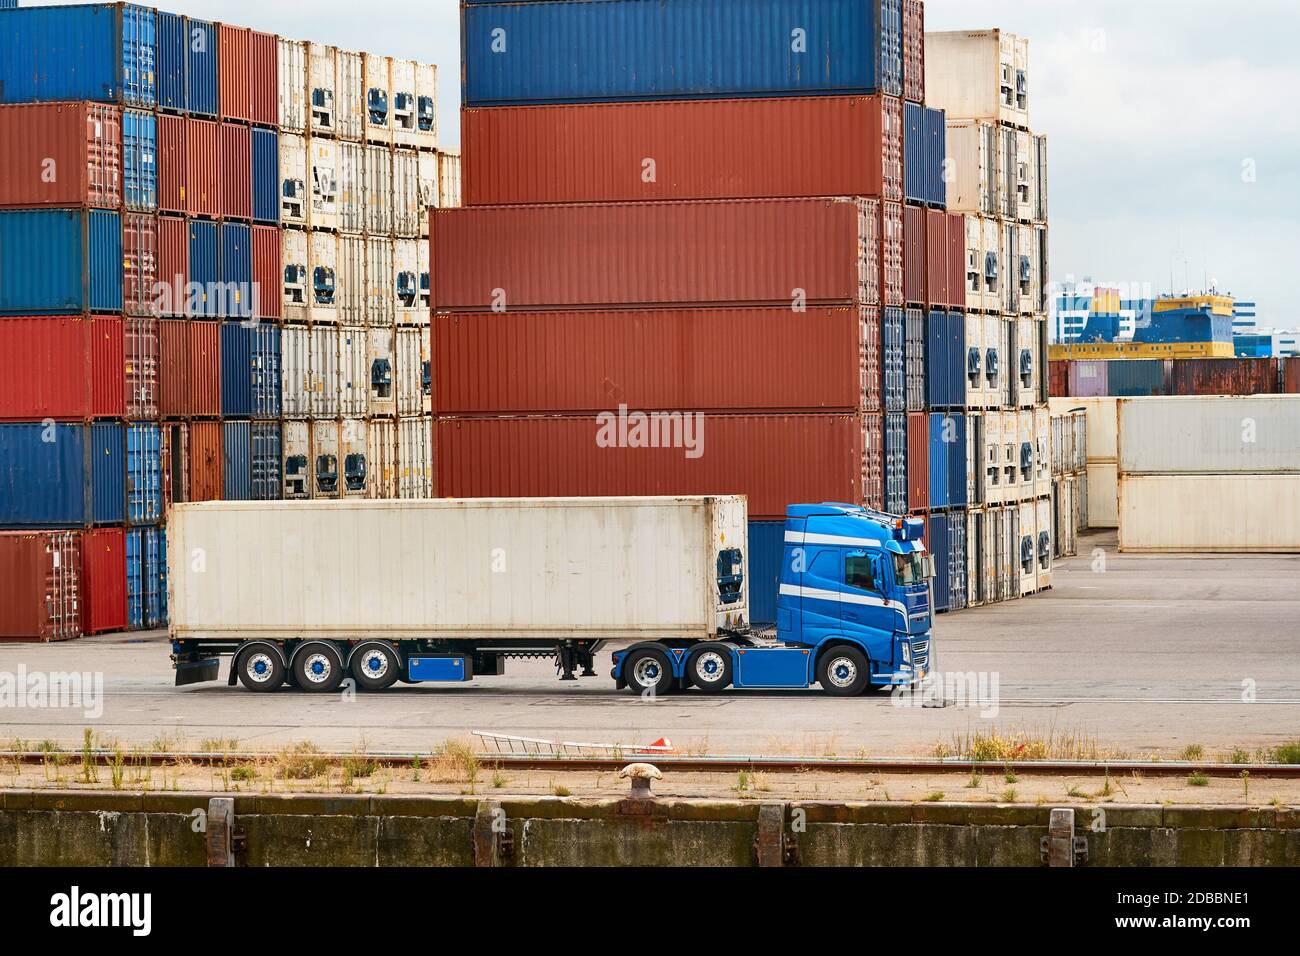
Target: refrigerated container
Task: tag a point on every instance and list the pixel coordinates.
(61, 475)
(1026, 277)
(1042, 483)
(353, 452)
(326, 481)
(402, 95)
(414, 458)
(1040, 179)
(426, 170)
(405, 192)
(975, 182)
(405, 283)
(1043, 544)
(61, 154)
(322, 277)
(377, 193)
(380, 303)
(297, 294)
(584, 52)
(351, 280)
(322, 157)
(1027, 369)
(1027, 548)
(979, 74)
(983, 264)
(323, 101)
(381, 459)
(1214, 514)
(351, 186)
(353, 372)
(685, 150)
(382, 394)
(324, 374)
(291, 84)
(293, 173)
(295, 370)
(351, 103)
(296, 466)
(449, 180)
(60, 261)
(426, 106)
(377, 84)
(41, 588)
(61, 368)
(422, 271)
(1209, 435)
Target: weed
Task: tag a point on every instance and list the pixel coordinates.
(1198, 779)
(1193, 752)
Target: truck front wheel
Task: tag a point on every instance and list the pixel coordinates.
(648, 672)
(844, 671)
(318, 668)
(260, 669)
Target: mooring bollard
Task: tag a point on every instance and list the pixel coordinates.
(1061, 847)
(221, 831)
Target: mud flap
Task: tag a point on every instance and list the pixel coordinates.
(196, 672)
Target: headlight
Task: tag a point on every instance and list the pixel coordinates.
(907, 653)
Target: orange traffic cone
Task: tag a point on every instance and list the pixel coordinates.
(661, 746)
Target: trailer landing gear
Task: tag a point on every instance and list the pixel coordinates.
(568, 658)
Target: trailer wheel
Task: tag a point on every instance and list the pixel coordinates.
(318, 668)
(844, 671)
(709, 669)
(375, 667)
(648, 671)
(260, 669)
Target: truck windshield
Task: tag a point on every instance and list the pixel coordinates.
(909, 569)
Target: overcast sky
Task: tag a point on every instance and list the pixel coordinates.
(1154, 109)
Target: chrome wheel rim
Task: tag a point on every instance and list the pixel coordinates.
(710, 667)
(259, 667)
(318, 667)
(842, 672)
(647, 671)
(374, 664)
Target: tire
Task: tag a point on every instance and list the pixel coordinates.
(709, 669)
(375, 667)
(260, 669)
(318, 668)
(648, 671)
(844, 671)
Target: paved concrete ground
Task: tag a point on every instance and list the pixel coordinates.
(1137, 654)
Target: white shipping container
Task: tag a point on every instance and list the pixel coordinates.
(973, 173)
(354, 373)
(989, 460)
(292, 73)
(406, 282)
(377, 168)
(381, 457)
(1027, 370)
(323, 156)
(1215, 434)
(607, 568)
(1026, 466)
(324, 373)
(412, 355)
(1042, 269)
(983, 264)
(1102, 424)
(449, 178)
(426, 106)
(978, 74)
(325, 482)
(295, 371)
(352, 96)
(1103, 494)
(352, 280)
(296, 449)
(322, 271)
(406, 193)
(377, 71)
(1027, 548)
(1042, 451)
(380, 311)
(322, 90)
(415, 458)
(1044, 543)
(426, 307)
(351, 194)
(1040, 179)
(404, 123)
(353, 456)
(293, 258)
(1024, 177)
(1221, 514)
(1028, 282)
(382, 395)
(1007, 542)
(294, 198)
(427, 171)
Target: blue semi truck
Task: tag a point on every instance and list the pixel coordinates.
(660, 582)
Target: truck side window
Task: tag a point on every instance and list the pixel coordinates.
(859, 573)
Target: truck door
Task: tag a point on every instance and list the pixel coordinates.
(864, 611)
(819, 593)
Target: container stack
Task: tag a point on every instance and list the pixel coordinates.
(681, 265)
(1135, 378)
(1069, 480)
(997, 191)
(151, 169)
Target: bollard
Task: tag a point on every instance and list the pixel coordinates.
(1061, 847)
(221, 831)
(493, 841)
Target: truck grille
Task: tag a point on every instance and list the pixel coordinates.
(921, 654)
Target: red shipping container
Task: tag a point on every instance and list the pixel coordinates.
(891, 254)
(683, 150)
(140, 336)
(540, 362)
(1058, 379)
(1225, 376)
(40, 585)
(264, 79)
(139, 263)
(766, 457)
(203, 168)
(936, 258)
(173, 265)
(103, 580)
(173, 163)
(61, 367)
(60, 154)
(957, 260)
(268, 280)
(176, 464)
(914, 51)
(918, 461)
(205, 368)
(236, 171)
(234, 72)
(1291, 375)
(174, 368)
(914, 251)
(206, 462)
(744, 252)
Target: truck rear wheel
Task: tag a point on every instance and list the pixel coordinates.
(648, 671)
(709, 669)
(375, 667)
(260, 669)
(844, 671)
(318, 668)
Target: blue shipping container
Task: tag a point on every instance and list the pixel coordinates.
(766, 547)
(915, 157)
(62, 476)
(893, 359)
(204, 270)
(201, 68)
(237, 447)
(140, 161)
(948, 461)
(936, 151)
(173, 60)
(945, 359)
(947, 543)
(896, 463)
(268, 484)
(266, 176)
(60, 261)
(146, 578)
(101, 52)
(610, 50)
(144, 474)
(235, 298)
(250, 370)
